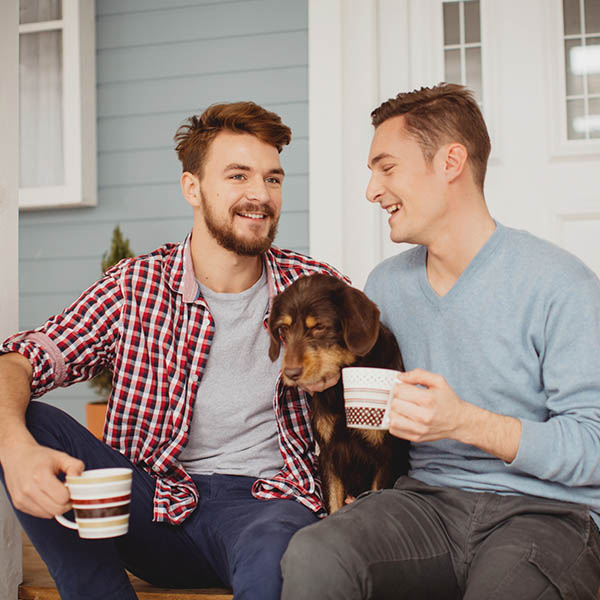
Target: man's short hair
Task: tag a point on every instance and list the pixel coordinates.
(195, 136)
(439, 115)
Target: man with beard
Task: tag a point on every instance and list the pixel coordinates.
(220, 451)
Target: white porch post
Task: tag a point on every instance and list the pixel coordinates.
(10, 532)
(343, 89)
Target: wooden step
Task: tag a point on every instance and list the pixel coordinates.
(38, 585)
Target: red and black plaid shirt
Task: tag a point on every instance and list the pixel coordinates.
(146, 321)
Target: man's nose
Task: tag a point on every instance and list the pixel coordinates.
(374, 190)
(257, 190)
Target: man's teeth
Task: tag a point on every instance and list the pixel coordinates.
(393, 208)
(252, 215)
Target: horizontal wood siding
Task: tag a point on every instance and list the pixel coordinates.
(158, 62)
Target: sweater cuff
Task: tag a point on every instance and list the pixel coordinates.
(535, 444)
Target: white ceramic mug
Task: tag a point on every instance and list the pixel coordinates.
(367, 396)
(100, 499)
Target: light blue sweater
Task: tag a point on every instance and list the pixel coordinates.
(518, 334)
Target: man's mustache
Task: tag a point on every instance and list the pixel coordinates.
(254, 207)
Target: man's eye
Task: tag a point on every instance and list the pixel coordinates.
(238, 176)
(387, 168)
(273, 180)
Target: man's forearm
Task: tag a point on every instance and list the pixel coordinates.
(15, 392)
(496, 434)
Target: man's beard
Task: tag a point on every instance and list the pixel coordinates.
(226, 237)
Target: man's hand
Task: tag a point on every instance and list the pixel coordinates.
(428, 413)
(30, 473)
(434, 412)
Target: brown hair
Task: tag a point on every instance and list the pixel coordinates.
(195, 136)
(444, 113)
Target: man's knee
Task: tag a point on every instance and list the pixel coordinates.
(49, 424)
(318, 558)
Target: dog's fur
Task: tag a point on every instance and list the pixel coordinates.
(324, 325)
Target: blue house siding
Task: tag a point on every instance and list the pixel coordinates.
(158, 62)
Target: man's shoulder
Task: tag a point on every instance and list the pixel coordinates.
(538, 255)
(149, 263)
(294, 264)
(403, 262)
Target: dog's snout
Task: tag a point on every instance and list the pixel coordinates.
(293, 373)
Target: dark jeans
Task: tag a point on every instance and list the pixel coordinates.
(423, 542)
(232, 539)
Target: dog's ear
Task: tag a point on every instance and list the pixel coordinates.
(360, 321)
(275, 346)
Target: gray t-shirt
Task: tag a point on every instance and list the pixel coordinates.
(233, 428)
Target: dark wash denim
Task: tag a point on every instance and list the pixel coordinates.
(422, 542)
(231, 540)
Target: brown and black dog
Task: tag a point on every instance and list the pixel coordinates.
(324, 325)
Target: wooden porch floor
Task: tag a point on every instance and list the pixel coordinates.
(38, 585)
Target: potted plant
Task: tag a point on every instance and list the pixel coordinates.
(102, 383)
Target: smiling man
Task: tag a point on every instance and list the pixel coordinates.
(221, 452)
(500, 336)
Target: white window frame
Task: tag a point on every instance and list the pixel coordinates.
(79, 111)
(560, 147)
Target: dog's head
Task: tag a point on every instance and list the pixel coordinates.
(323, 325)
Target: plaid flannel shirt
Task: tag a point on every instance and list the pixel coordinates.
(146, 321)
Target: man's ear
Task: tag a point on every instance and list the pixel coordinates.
(455, 160)
(360, 321)
(190, 186)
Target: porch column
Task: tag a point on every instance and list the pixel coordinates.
(10, 531)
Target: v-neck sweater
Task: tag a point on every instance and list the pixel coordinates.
(518, 334)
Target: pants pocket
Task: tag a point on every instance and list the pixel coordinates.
(578, 581)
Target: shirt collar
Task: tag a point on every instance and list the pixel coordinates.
(182, 279)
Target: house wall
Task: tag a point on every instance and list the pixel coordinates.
(158, 62)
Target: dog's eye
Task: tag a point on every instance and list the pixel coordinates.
(281, 332)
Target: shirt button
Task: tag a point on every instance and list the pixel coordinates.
(185, 428)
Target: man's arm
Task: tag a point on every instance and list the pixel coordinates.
(434, 411)
(30, 470)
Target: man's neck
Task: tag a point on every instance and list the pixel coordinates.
(221, 270)
(456, 245)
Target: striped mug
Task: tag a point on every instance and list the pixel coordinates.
(100, 499)
(367, 396)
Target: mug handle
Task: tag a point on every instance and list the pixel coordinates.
(66, 522)
(385, 421)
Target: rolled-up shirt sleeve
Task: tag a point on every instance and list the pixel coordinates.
(76, 344)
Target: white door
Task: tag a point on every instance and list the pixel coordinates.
(535, 66)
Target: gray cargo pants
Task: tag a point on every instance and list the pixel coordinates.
(422, 542)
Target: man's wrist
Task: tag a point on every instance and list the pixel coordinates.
(496, 434)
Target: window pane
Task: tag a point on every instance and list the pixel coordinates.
(452, 66)
(571, 17)
(472, 22)
(41, 114)
(594, 118)
(473, 58)
(574, 75)
(592, 16)
(451, 23)
(34, 11)
(592, 47)
(576, 121)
